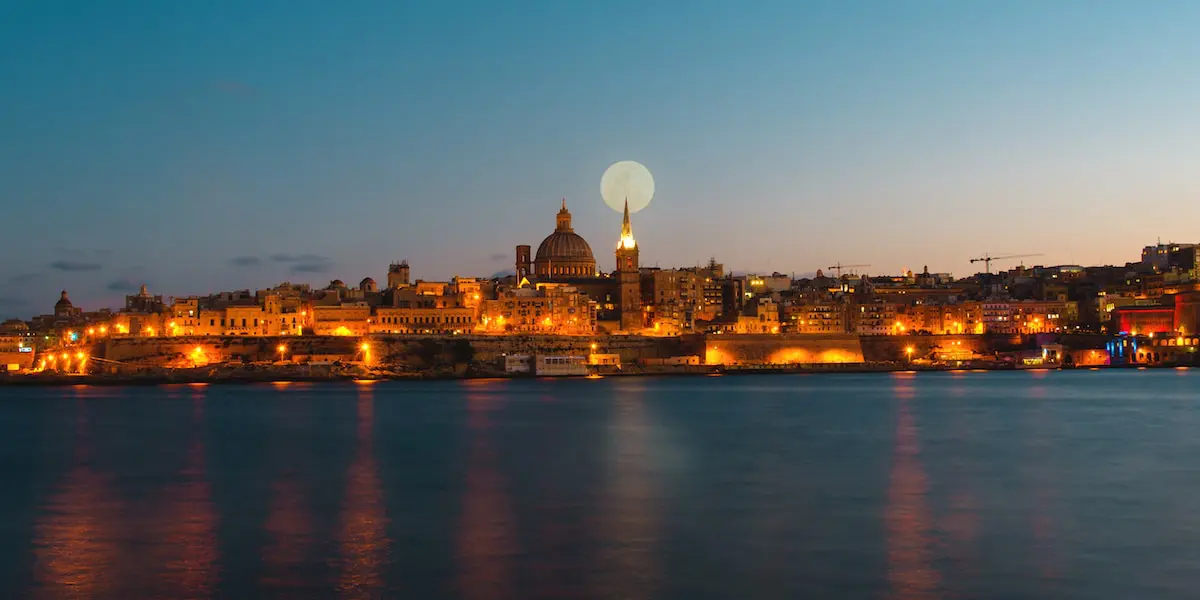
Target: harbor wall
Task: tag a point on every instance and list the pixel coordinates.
(423, 352)
(414, 352)
(727, 349)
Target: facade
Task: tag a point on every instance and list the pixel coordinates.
(548, 308)
(341, 319)
(422, 320)
(675, 296)
(819, 317)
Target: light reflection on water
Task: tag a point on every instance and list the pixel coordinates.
(486, 544)
(74, 539)
(910, 567)
(363, 531)
(912, 485)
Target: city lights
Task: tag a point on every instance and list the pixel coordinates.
(564, 290)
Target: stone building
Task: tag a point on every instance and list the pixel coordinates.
(547, 308)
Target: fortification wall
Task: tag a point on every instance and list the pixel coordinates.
(426, 352)
(725, 349)
(406, 351)
(891, 348)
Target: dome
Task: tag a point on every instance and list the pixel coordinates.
(367, 285)
(564, 253)
(63, 302)
(564, 245)
(335, 284)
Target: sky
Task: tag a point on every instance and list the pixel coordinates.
(205, 146)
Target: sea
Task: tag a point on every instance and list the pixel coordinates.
(1005, 485)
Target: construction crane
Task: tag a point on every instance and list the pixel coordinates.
(838, 267)
(987, 259)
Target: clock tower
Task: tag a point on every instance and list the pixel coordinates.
(629, 284)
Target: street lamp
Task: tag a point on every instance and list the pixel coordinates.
(282, 350)
(908, 351)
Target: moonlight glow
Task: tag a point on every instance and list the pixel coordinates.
(627, 180)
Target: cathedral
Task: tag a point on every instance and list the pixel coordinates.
(564, 257)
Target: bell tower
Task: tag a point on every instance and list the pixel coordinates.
(629, 284)
(398, 275)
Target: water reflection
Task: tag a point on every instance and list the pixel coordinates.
(188, 519)
(910, 569)
(486, 541)
(1042, 475)
(629, 526)
(961, 523)
(362, 534)
(289, 524)
(75, 539)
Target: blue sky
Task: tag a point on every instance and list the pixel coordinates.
(198, 146)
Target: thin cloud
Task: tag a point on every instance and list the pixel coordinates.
(123, 284)
(245, 261)
(316, 267)
(73, 265)
(299, 258)
(25, 277)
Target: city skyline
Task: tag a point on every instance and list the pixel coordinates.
(161, 144)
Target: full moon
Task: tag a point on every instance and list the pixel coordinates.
(627, 180)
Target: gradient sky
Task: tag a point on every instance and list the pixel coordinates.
(198, 146)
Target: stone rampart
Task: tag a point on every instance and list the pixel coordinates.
(726, 349)
(416, 352)
(428, 352)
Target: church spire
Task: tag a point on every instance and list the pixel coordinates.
(626, 228)
(627, 240)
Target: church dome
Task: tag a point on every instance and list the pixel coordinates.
(564, 245)
(564, 253)
(63, 303)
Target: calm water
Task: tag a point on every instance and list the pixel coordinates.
(975, 485)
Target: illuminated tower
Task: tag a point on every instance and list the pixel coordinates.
(398, 275)
(629, 277)
(523, 262)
